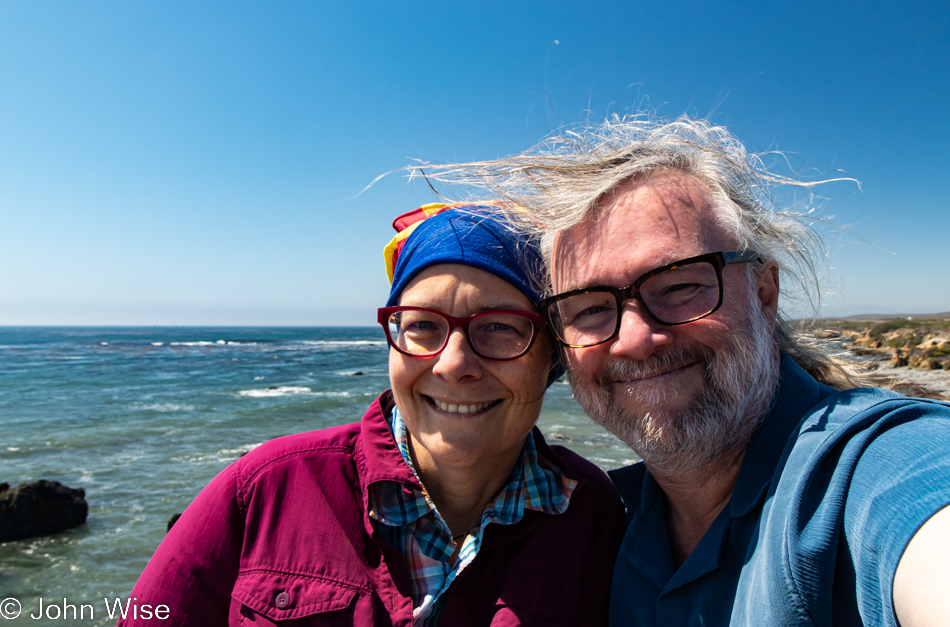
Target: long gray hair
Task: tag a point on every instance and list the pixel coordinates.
(559, 182)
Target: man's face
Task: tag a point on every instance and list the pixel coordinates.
(680, 396)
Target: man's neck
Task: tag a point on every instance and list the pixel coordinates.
(694, 500)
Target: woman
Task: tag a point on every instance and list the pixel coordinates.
(444, 505)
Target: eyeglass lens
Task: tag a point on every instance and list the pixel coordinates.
(491, 335)
(673, 296)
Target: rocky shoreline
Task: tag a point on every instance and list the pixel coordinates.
(912, 351)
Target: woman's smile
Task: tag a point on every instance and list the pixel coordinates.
(455, 407)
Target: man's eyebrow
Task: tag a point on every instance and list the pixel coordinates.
(585, 285)
(578, 286)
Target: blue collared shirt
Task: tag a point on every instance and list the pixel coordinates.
(832, 488)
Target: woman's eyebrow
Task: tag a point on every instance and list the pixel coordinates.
(495, 306)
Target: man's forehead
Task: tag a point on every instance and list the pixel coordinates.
(641, 225)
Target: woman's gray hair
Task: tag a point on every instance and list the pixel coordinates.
(558, 184)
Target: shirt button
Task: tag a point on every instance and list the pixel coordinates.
(282, 600)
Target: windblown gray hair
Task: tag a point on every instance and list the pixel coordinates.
(559, 182)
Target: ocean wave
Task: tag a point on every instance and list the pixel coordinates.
(86, 475)
(357, 373)
(289, 390)
(223, 456)
(335, 343)
(611, 462)
(211, 343)
(164, 407)
(279, 390)
(238, 452)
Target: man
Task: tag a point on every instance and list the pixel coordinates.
(771, 492)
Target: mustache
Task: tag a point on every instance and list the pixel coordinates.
(672, 359)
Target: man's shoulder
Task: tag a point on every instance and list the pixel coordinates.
(841, 426)
(865, 467)
(849, 410)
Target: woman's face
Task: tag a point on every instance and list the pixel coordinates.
(501, 400)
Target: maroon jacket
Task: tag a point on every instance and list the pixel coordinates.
(283, 536)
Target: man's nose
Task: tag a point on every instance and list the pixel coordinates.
(457, 360)
(639, 335)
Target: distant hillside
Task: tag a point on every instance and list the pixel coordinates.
(865, 317)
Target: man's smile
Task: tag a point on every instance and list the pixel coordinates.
(658, 373)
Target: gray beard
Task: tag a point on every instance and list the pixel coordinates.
(739, 384)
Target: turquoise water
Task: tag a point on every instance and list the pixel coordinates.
(143, 418)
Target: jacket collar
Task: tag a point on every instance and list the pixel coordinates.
(798, 392)
(377, 455)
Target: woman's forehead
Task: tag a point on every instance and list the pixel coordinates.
(458, 285)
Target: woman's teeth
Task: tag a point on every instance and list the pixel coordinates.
(461, 409)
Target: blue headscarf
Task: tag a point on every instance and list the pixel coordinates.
(471, 235)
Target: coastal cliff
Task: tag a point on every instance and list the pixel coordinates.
(915, 351)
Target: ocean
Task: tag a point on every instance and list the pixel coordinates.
(143, 418)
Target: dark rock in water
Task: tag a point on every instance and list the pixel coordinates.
(172, 521)
(40, 508)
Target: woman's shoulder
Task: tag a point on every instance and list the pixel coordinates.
(339, 437)
(342, 437)
(324, 450)
(282, 455)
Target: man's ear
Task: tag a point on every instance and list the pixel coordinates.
(768, 291)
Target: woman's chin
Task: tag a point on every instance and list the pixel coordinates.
(470, 451)
(456, 451)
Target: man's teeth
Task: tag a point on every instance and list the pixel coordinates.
(461, 409)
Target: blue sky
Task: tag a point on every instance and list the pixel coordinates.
(201, 162)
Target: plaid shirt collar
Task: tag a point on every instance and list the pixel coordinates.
(410, 521)
(536, 484)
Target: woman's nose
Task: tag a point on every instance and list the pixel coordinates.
(457, 360)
